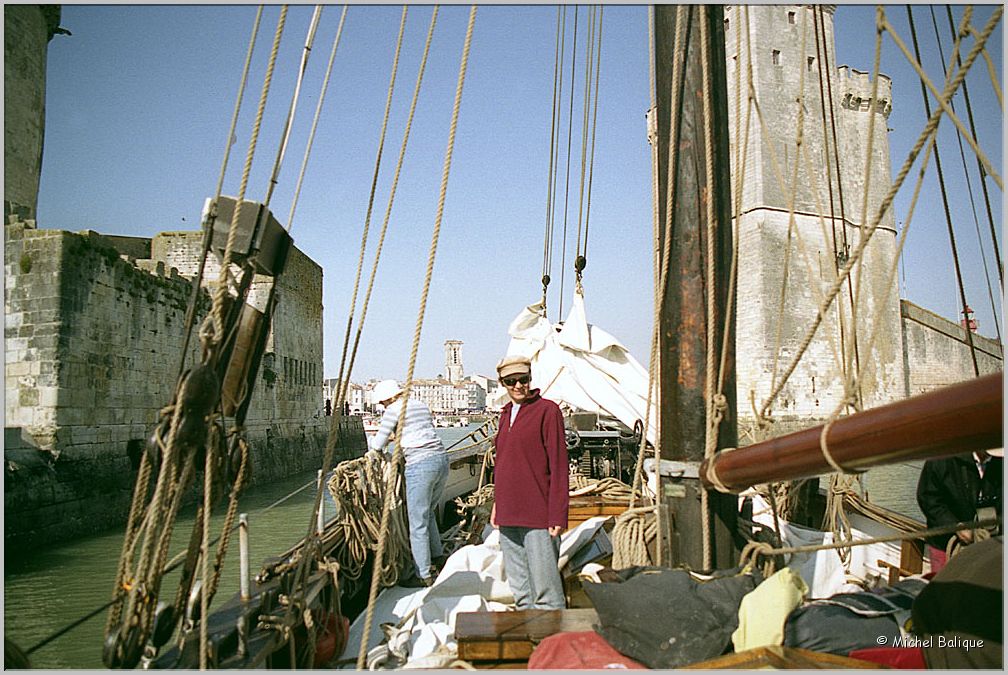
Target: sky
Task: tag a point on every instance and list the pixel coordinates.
(139, 103)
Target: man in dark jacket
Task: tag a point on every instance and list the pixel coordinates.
(953, 490)
(530, 488)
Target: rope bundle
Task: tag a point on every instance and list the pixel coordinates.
(611, 489)
(634, 529)
(358, 488)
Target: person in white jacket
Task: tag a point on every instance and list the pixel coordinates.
(426, 471)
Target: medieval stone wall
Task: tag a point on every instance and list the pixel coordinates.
(937, 353)
(93, 344)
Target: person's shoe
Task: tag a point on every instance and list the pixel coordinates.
(427, 581)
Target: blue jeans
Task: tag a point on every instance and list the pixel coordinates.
(530, 562)
(425, 483)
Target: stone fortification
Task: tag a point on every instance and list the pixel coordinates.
(937, 351)
(779, 177)
(93, 341)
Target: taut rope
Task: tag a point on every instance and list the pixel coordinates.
(397, 456)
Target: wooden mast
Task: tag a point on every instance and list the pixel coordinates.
(683, 318)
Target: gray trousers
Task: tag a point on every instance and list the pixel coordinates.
(530, 562)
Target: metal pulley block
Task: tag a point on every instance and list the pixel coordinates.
(123, 650)
(193, 605)
(164, 624)
(124, 645)
(259, 238)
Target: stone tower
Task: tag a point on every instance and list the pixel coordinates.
(828, 217)
(453, 360)
(27, 31)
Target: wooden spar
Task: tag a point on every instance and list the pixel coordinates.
(953, 420)
(683, 320)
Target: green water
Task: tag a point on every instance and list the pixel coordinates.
(46, 590)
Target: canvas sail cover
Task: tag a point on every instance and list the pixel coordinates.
(581, 365)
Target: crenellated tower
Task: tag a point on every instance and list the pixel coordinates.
(803, 94)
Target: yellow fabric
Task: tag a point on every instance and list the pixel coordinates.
(765, 608)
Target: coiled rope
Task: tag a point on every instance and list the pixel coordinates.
(358, 488)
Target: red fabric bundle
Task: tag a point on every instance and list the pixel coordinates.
(903, 658)
(585, 650)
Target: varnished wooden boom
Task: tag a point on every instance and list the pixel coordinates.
(953, 420)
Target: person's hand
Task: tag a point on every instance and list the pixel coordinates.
(555, 530)
(965, 536)
(493, 515)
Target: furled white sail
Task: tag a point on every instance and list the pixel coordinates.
(580, 364)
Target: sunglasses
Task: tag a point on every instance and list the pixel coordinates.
(515, 379)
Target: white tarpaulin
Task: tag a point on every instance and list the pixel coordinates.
(419, 624)
(581, 365)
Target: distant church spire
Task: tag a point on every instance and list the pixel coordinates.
(453, 360)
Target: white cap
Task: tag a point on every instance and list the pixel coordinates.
(385, 390)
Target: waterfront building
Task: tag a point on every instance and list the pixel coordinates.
(489, 385)
(354, 397)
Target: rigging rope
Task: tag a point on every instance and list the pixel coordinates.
(656, 261)
(760, 548)
(943, 102)
(591, 160)
(969, 182)
(285, 135)
(341, 387)
(570, 129)
(980, 169)
(388, 209)
(315, 119)
(944, 196)
(592, 61)
(824, 73)
(217, 324)
(551, 172)
(362, 655)
(330, 445)
(197, 283)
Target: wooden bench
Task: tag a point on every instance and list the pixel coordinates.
(510, 637)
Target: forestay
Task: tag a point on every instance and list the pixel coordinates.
(577, 363)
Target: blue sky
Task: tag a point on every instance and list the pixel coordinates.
(139, 101)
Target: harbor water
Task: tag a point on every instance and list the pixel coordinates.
(46, 590)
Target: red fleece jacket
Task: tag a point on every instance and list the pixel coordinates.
(531, 470)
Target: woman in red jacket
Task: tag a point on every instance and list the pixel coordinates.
(530, 489)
